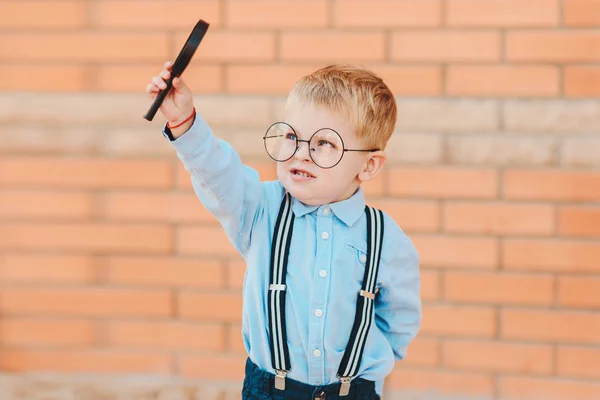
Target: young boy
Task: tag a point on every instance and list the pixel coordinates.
(332, 287)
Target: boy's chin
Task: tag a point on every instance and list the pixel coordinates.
(302, 194)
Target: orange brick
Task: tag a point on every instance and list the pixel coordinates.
(430, 285)
(463, 321)
(86, 302)
(386, 13)
(90, 237)
(422, 351)
(84, 46)
(551, 255)
(134, 78)
(235, 274)
(40, 14)
(456, 252)
(288, 14)
(21, 204)
(553, 46)
(233, 46)
(98, 361)
(411, 215)
(441, 384)
(235, 340)
(170, 335)
(445, 46)
(267, 79)
(579, 221)
(330, 46)
(494, 356)
(210, 306)
(157, 207)
(47, 268)
(552, 185)
(222, 367)
(584, 13)
(578, 362)
(549, 388)
(165, 271)
(502, 13)
(155, 14)
(266, 171)
(411, 80)
(550, 326)
(46, 332)
(93, 173)
(498, 218)
(581, 81)
(503, 81)
(204, 240)
(576, 291)
(483, 287)
(43, 78)
(444, 182)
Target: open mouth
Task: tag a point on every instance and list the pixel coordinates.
(301, 173)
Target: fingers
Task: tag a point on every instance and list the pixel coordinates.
(156, 85)
(158, 82)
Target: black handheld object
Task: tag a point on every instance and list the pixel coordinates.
(181, 62)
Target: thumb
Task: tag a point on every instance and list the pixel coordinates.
(178, 83)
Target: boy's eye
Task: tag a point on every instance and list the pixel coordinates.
(325, 143)
(290, 136)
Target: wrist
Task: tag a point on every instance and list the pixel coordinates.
(179, 127)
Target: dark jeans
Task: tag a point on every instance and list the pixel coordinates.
(260, 385)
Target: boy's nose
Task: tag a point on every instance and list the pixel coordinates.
(302, 153)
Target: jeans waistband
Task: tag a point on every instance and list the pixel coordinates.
(263, 382)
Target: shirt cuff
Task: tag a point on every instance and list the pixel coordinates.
(190, 140)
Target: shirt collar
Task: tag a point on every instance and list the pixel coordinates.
(348, 211)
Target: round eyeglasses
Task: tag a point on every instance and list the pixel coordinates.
(326, 147)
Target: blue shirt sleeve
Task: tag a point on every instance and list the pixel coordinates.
(398, 306)
(227, 188)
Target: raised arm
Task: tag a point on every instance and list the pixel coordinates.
(228, 189)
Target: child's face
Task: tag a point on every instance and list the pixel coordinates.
(323, 186)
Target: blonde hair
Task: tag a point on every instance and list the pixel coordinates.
(354, 93)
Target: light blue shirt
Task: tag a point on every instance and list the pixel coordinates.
(325, 269)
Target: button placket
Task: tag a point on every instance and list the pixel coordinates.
(324, 228)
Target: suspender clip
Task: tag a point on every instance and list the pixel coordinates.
(368, 295)
(345, 386)
(277, 287)
(280, 379)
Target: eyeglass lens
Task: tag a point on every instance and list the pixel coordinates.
(325, 147)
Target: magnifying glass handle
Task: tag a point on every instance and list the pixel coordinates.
(158, 100)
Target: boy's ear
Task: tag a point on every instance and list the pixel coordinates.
(373, 166)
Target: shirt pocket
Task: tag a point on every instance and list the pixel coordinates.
(359, 253)
(359, 259)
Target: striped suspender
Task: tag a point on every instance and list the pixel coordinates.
(365, 303)
(280, 357)
(282, 237)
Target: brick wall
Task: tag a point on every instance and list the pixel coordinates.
(105, 253)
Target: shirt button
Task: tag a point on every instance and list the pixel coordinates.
(324, 235)
(326, 211)
(318, 312)
(317, 353)
(363, 258)
(322, 273)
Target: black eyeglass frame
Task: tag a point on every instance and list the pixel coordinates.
(298, 141)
